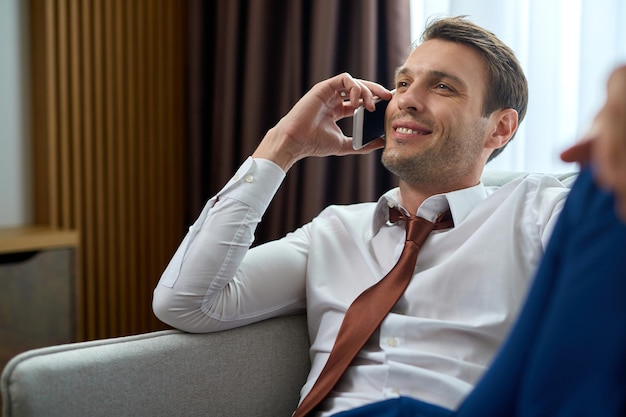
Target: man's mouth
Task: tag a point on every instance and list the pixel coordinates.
(409, 131)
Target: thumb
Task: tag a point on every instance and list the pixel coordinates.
(581, 152)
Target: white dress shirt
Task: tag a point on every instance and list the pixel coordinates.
(468, 285)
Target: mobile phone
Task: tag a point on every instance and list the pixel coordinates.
(368, 125)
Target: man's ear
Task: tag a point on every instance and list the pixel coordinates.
(502, 126)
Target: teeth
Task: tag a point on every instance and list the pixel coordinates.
(405, 131)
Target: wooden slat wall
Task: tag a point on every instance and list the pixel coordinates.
(108, 134)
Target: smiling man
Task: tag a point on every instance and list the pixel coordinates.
(438, 132)
(459, 99)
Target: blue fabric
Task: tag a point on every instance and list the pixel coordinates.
(398, 407)
(566, 355)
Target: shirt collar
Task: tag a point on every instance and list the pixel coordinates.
(460, 202)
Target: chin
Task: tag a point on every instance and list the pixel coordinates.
(392, 162)
(394, 156)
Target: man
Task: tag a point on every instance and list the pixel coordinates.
(565, 356)
(459, 98)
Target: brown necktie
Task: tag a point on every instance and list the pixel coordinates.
(371, 307)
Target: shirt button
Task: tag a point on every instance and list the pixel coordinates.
(392, 341)
(249, 178)
(391, 204)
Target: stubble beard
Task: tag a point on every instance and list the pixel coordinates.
(414, 168)
(437, 165)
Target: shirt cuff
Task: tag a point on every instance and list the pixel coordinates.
(255, 183)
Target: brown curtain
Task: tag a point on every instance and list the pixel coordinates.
(251, 60)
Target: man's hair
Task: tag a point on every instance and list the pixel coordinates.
(506, 84)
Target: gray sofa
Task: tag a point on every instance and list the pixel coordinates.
(255, 370)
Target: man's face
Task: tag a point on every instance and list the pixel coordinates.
(435, 130)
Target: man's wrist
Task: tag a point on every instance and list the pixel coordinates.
(273, 148)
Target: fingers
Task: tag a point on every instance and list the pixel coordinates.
(581, 152)
(605, 144)
(347, 149)
(373, 145)
(310, 127)
(610, 152)
(358, 92)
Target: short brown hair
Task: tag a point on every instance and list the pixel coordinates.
(507, 86)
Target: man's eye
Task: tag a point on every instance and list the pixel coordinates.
(444, 88)
(402, 84)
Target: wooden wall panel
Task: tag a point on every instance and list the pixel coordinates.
(108, 131)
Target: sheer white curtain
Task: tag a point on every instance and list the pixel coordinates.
(567, 49)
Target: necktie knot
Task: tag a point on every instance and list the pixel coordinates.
(418, 228)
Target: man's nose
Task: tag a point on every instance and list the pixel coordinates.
(412, 99)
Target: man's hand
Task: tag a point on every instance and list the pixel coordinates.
(310, 128)
(605, 144)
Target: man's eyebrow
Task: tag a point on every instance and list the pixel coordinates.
(447, 75)
(433, 74)
(401, 71)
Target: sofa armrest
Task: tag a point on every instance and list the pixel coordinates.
(255, 370)
(496, 178)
